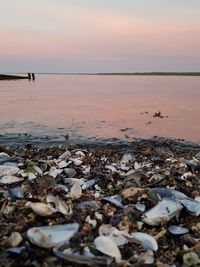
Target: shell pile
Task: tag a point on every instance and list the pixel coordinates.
(101, 206)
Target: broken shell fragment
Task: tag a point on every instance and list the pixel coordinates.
(162, 212)
(108, 247)
(88, 184)
(41, 208)
(147, 241)
(60, 205)
(8, 170)
(51, 236)
(115, 200)
(76, 190)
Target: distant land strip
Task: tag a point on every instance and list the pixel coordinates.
(153, 73)
(12, 77)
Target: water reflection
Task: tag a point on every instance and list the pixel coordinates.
(102, 106)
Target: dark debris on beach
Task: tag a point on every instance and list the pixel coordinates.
(135, 205)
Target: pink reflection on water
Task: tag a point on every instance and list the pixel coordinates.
(103, 105)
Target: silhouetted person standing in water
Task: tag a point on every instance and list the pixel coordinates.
(33, 76)
(29, 76)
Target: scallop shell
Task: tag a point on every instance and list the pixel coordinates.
(162, 212)
(41, 208)
(108, 247)
(51, 236)
(147, 241)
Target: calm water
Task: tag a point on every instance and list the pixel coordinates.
(91, 107)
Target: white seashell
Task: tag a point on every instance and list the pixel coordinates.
(141, 207)
(147, 258)
(38, 170)
(41, 208)
(59, 205)
(123, 167)
(80, 155)
(76, 190)
(77, 162)
(72, 181)
(137, 166)
(114, 234)
(162, 212)
(65, 155)
(51, 236)
(31, 176)
(108, 247)
(128, 158)
(14, 239)
(62, 164)
(9, 179)
(54, 171)
(147, 241)
(8, 170)
(111, 168)
(86, 169)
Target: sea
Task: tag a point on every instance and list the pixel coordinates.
(60, 108)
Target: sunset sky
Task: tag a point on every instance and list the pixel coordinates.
(99, 35)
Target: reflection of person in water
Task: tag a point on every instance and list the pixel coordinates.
(33, 76)
(29, 76)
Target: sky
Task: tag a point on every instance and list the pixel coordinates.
(99, 35)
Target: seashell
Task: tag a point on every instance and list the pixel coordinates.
(41, 208)
(86, 169)
(191, 259)
(115, 200)
(108, 247)
(128, 158)
(76, 190)
(155, 178)
(159, 193)
(8, 170)
(31, 176)
(62, 164)
(80, 155)
(44, 165)
(141, 207)
(162, 212)
(77, 162)
(197, 155)
(9, 179)
(88, 259)
(51, 236)
(54, 171)
(111, 168)
(92, 205)
(113, 233)
(5, 158)
(38, 170)
(16, 192)
(192, 206)
(11, 164)
(177, 230)
(88, 184)
(123, 167)
(70, 172)
(15, 250)
(137, 166)
(14, 239)
(60, 205)
(147, 241)
(72, 181)
(65, 155)
(147, 258)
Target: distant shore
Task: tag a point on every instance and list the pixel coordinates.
(154, 73)
(12, 77)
